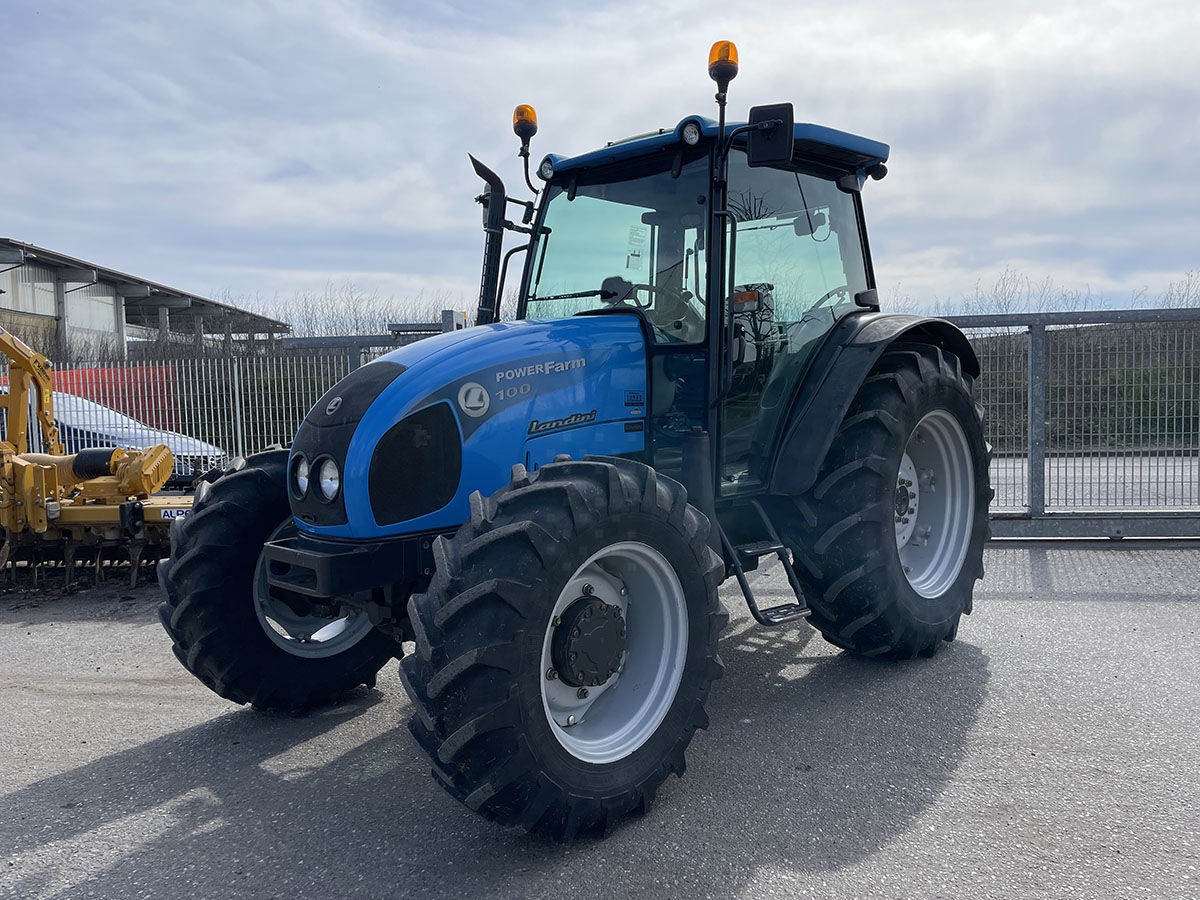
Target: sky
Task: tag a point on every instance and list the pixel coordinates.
(258, 149)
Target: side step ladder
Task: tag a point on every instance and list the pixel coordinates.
(772, 615)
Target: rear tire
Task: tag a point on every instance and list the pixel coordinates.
(227, 631)
(566, 645)
(888, 542)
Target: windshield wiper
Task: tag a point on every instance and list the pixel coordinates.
(575, 296)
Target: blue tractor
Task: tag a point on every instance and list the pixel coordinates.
(697, 376)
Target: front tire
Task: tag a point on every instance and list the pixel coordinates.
(566, 646)
(889, 540)
(229, 632)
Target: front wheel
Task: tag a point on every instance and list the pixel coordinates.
(889, 540)
(566, 645)
(229, 631)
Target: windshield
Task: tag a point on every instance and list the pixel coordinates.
(628, 235)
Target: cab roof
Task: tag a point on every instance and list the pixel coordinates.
(839, 150)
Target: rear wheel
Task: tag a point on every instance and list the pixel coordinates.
(244, 644)
(566, 645)
(889, 540)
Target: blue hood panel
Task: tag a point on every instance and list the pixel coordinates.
(520, 392)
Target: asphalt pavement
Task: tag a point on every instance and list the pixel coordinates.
(1052, 751)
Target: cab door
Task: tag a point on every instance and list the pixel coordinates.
(798, 261)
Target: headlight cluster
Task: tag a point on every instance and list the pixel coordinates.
(329, 478)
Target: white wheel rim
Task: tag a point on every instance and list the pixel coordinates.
(935, 504)
(311, 636)
(617, 717)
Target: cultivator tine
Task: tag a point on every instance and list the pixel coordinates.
(68, 559)
(136, 549)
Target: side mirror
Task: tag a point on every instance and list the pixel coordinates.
(810, 223)
(771, 138)
(746, 302)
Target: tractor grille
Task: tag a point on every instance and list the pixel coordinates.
(416, 466)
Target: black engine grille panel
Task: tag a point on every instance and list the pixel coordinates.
(416, 466)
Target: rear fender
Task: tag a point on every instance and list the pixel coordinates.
(839, 370)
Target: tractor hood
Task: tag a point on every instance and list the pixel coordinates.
(407, 433)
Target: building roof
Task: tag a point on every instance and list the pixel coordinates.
(144, 299)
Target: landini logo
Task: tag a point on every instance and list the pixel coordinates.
(473, 399)
(536, 427)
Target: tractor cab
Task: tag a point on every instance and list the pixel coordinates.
(736, 270)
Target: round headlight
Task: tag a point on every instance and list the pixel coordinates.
(299, 476)
(546, 170)
(329, 479)
(691, 134)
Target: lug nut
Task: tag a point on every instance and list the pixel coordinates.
(551, 674)
(588, 590)
(582, 693)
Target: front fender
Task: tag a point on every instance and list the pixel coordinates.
(839, 370)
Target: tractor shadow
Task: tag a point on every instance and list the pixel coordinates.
(835, 756)
(813, 761)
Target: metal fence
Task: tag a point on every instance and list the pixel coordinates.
(237, 404)
(211, 406)
(1094, 417)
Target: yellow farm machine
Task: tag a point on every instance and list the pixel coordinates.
(97, 504)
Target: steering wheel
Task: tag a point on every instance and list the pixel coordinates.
(828, 295)
(615, 290)
(667, 310)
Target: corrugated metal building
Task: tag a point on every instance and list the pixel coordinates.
(66, 305)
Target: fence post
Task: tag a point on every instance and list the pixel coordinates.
(1037, 420)
(235, 365)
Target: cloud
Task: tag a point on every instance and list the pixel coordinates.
(254, 146)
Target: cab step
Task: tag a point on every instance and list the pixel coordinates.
(746, 555)
(751, 552)
(785, 612)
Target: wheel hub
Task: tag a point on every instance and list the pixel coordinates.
(906, 502)
(589, 643)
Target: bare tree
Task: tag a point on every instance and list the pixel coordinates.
(1182, 294)
(346, 308)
